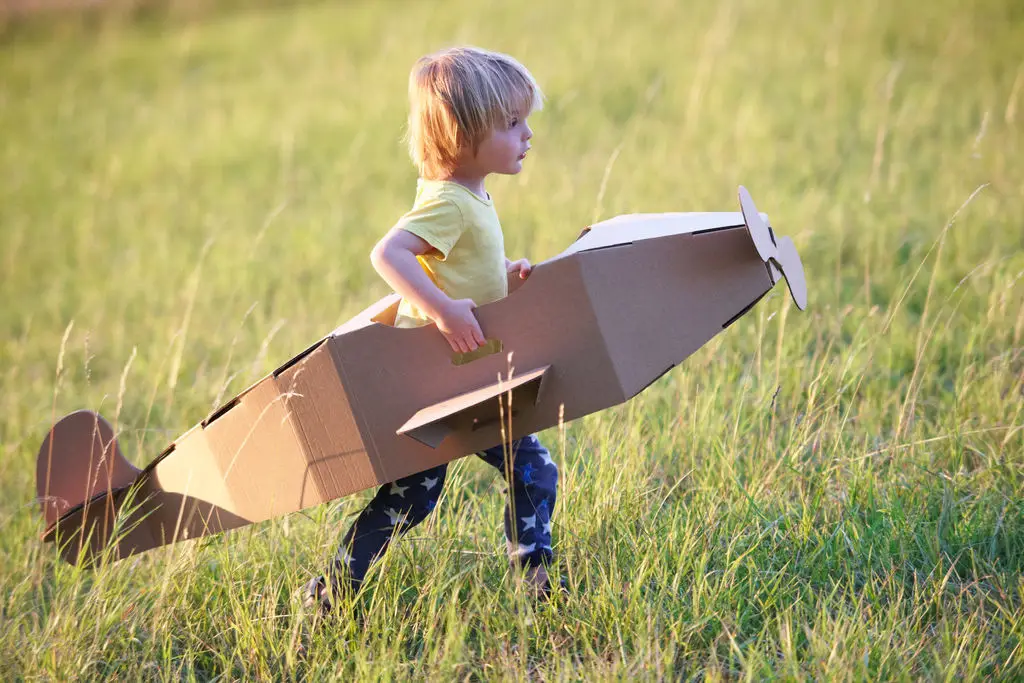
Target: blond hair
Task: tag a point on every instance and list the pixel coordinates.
(456, 97)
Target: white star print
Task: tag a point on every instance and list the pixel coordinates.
(397, 490)
(394, 516)
(529, 522)
(546, 457)
(547, 527)
(524, 549)
(343, 556)
(429, 483)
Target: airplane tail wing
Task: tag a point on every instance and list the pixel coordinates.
(80, 464)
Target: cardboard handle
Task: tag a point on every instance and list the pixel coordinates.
(488, 348)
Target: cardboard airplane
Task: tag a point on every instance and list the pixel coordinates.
(371, 403)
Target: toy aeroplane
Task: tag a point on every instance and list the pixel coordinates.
(371, 403)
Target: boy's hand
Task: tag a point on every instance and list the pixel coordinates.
(522, 266)
(459, 326)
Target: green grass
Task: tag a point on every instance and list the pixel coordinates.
(189, 199)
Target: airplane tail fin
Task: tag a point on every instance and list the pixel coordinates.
(79, 460)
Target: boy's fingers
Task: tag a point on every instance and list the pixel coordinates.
(455, 343)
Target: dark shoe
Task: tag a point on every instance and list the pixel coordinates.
(548, 589)
(316, 596)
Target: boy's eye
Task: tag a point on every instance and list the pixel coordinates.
(513, 123)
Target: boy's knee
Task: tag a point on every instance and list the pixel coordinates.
(545, 486)
(414, 497)
(423, 507)
(404, 515)
(537, 470)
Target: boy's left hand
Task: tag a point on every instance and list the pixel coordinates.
(522, 266)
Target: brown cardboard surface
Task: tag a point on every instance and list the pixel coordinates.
(82, 453)
(641, 288)
(474, 410)
(370, 403)
(335, 457)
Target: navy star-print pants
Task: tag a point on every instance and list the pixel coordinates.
(401, 505)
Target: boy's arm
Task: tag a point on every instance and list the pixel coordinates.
(394, 258)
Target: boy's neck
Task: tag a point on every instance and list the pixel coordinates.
(472, 182)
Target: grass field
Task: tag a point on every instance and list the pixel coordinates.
(189, 197)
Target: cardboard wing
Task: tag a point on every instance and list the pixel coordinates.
(371, 403)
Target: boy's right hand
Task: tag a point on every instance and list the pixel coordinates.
(459, 326)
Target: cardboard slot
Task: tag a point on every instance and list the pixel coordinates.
(718, 229)
(156, 461)
(742, 313)
(297, 358)
(660, 375)
(606, 247)
(488, 348)
(221, 412)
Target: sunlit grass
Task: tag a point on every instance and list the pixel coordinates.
(834, 494)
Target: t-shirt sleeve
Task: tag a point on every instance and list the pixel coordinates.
(438, 221)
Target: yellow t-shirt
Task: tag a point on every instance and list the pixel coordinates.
(470, 259)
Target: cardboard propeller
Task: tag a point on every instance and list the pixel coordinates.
(631, 298)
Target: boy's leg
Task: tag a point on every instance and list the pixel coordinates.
(534, 488)
(399, 505)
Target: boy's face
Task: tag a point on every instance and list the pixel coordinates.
(505, 148)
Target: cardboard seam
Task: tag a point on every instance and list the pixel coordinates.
(256, 423)
(606, 355)
(353, 400)
(305, 440)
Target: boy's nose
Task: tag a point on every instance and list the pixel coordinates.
(527, 132)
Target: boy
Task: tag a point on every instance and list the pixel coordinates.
(467, 120)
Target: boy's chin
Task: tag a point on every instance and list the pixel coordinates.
(514, 169)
